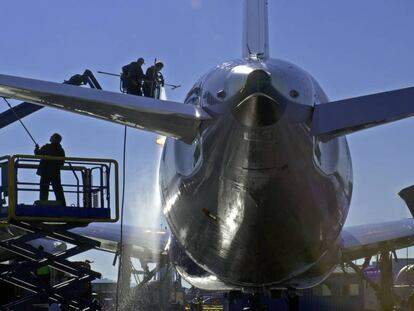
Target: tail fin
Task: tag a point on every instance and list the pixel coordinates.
(255, 29)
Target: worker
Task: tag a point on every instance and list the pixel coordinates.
(133, 76)
(43, 272)
(49, 170)
(154, 79)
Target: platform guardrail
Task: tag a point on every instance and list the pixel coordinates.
(88, 184)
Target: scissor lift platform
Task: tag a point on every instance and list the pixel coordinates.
(87, 184)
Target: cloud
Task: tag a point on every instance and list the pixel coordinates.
(195, 4)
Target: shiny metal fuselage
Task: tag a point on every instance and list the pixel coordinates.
(256, 200)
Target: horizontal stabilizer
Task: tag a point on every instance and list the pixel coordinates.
(350, 115)
(24, 109)
(167, 118)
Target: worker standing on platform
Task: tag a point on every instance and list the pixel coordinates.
(154, 79)
(49, 170)
(133, 77)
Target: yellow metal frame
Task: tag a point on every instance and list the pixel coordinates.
(13, 193)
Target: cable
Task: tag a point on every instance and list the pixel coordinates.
(21, 122)
(122, 218)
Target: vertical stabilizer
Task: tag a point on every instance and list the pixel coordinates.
(255, 29)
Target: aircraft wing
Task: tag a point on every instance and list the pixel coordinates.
(367, 240)
(145, 242)
(350, 115)
(164, 117)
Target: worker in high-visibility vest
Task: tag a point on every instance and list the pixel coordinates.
(43, 272)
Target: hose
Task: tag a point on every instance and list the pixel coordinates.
(21, 122)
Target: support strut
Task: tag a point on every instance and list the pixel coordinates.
(22, 273)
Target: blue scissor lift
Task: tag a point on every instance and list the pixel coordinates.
(87, 185)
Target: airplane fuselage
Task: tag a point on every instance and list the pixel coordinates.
(256, 200)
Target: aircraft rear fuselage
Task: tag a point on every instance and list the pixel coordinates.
(255, 199)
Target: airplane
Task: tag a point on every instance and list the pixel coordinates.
(255, 174)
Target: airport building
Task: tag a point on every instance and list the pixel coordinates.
(344, 290)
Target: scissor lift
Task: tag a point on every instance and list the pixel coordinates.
(87, 184)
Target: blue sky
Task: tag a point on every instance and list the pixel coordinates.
(352, 48)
